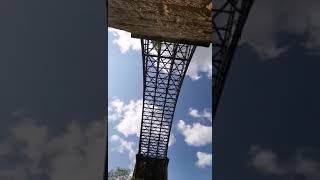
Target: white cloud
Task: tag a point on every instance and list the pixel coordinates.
(125, 147)
(128, 115)
(115, 109)
(124, 40)
(34, 138)
(205, 114)
(290, 16)
(194, 113)
(195, 134)
(201, 63)
(117, 105)
(204, 159)
(77, 153)
(172, 140)
(266, 161)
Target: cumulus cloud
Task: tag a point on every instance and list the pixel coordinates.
(77, 153)
(124, 40)
(265, 160)
(203, 159)
(128, 115)
(117, 105)
(201, 63)
(299, 165)
(270, 17)
(125, 146)
(34, 139)
(115, 109)
(172, 140)
(205, 114)
(195, 134)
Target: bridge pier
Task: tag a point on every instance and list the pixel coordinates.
(149, 168)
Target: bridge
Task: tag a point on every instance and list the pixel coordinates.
(170, 31)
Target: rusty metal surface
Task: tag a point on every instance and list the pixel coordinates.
(171, 20)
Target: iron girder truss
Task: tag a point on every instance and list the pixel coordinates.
(164, 67)
(228, 20)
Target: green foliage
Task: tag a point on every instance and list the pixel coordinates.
(156, 44)
(119, 174)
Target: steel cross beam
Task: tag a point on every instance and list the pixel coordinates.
(164, 67)
(228, 20)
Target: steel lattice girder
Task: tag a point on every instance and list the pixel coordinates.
(164, 67)
(228, 20)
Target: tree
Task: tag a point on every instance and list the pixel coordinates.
(156, 44)
(119, 174)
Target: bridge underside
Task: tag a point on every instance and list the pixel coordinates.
(163, 20)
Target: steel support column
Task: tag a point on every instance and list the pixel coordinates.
(164, 67)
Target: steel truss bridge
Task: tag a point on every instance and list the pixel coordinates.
(164, 68)
(228, 20)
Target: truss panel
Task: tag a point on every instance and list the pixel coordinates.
(228, 19)
(164, 66)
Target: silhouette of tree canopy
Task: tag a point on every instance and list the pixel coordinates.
(119, 174)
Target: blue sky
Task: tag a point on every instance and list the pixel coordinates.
(189, 156)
